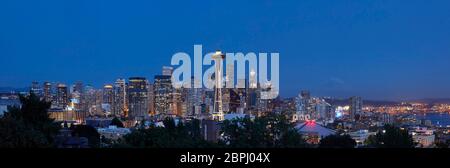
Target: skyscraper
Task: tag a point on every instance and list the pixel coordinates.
(92, 100)
(323, 111)
(151, 99)
(193, 98)
(167, 70)
(355, 107)
(300, 105)
(163, 94)
(305, 94)
(48, 95)
(138, 98)
(176, 104)
(107, 98)
(78, 87)
(36, 89)
(108, 94)
(62, 98)
(120, 106)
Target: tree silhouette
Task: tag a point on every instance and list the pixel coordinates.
(88, 132)
(337, 141)
(391, 137)
(271, 131)
(170, 136)
(28, 126)
(116, 121)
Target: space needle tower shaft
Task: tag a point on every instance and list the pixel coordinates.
(218, 57)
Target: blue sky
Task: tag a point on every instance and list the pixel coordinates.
(377, 49)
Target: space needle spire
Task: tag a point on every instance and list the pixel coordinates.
(217, 114)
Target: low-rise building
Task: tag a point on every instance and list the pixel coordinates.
(361, 136)
(423, 136)
(313, 132)
(58, 114)
(113, 132)
(98, 122)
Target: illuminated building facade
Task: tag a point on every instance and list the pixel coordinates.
(356, 106)
(36, 89)
(120, 105)
(108, 94)
(62, 98)
(163, 94)
(151, 99)
(138, 98)
(218, 113)
(47, 92)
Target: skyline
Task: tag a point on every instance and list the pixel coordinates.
(375, 49)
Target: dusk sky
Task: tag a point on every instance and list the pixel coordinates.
(377, 49)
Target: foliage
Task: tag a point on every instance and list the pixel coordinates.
(28, 126)
(170, 136)
(391, 137)
(271, 131)
(337, 141)
(116, 121)
(445, 144)
(88, 132)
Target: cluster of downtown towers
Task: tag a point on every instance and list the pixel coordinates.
(138, 99)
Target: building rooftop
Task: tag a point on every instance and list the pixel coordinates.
(313, 127)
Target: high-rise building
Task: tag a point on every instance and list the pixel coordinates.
(48, 94)
(305, 94)
(92, 99)
(193, 98)
(163, 94)
(167, 70)
(120, 106)
(226, 100)
(356, 105)
(323, 111)
(107, 98)
(108, 94)
(151, 99)
(62, 98)
(176, 103)
(78, 87)
(36, 89)
(300, 105)
(308, 104)
(138, 98)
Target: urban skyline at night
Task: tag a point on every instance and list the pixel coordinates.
(225, 83)
(380, 50)
(225, 75)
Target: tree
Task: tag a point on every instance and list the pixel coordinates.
(116, 121)
(271, 131)
(443, 144)
(88, 132)
(391, 137)
(337, 141)
(28, 126)
(170, 136)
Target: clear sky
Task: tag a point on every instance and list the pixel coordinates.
(378, 49)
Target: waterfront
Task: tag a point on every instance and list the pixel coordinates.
(438, 119)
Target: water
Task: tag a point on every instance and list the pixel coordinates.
(437, 119)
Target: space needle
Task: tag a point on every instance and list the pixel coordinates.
(217, 113)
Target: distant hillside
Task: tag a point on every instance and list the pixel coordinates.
(431, 100)
(344, 102)
(12, 89)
